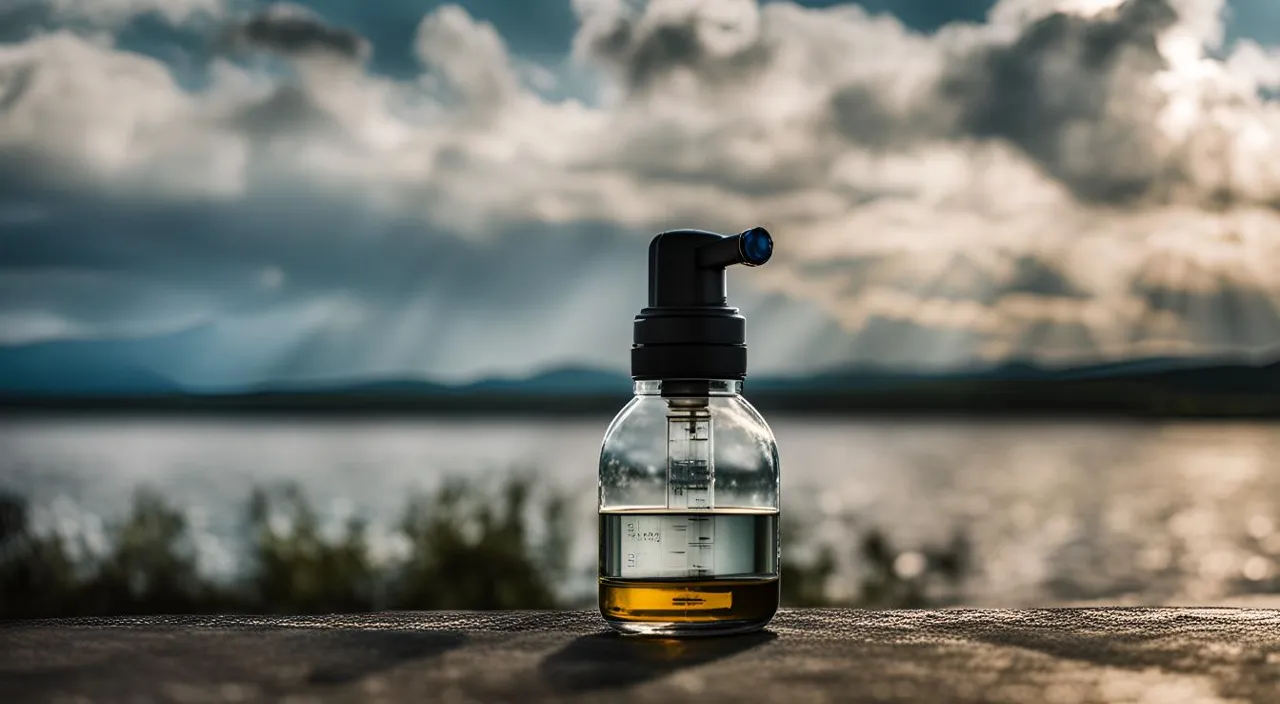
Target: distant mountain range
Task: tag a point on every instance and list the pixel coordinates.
(79, 368)
(101, 375)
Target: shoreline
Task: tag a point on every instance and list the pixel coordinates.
(992, 405)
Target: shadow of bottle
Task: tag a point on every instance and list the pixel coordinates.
(609, 660)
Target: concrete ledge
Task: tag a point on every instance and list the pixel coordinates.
(1055, 656)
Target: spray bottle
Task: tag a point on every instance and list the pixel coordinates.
(689, 483)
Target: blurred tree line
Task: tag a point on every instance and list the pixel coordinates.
(465, 548)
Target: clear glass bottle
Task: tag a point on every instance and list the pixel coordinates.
(689, 490)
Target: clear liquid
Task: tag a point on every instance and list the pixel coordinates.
(686, 572)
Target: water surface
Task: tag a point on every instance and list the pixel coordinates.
(1137, 513)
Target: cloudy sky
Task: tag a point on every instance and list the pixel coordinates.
(248, 191)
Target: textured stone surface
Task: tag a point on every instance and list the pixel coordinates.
(1056, 656)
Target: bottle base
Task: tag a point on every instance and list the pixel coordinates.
(685, 630)
(688, 607)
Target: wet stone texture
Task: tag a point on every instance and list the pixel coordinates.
(1055, 656)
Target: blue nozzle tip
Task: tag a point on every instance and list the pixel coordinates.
(756, 246)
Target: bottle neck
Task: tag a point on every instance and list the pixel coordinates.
(688, 387)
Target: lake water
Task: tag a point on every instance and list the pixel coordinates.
(1122, 513)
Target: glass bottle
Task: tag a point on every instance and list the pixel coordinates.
(689, 481)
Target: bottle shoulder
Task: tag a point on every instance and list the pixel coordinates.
(725, 411)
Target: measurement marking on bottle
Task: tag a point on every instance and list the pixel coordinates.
(672, 545)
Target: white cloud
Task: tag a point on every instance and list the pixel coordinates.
(84, 115)
(469, 57)
(848, 135)
(113, 12)
(1255, 66)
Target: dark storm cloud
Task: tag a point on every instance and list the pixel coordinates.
(290, 110)
(1037, 277)
(291, 30)
(1215, 305)
(1074, 93)
(419, 296)
(859, 113)
(643, 55)
(1056, 337)
(861, 117)
(1245, 315)
(857, 267)
(320, 241)
(15, 85)
(888, 341)
(1065, 79)
(960, 278)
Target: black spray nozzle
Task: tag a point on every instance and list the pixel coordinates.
(686, 267)
(688, 331)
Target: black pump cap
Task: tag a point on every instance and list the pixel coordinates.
(688, 331)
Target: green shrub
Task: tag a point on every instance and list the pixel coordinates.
(467, 548)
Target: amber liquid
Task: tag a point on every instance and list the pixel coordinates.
(690, 601)
(680, 572)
